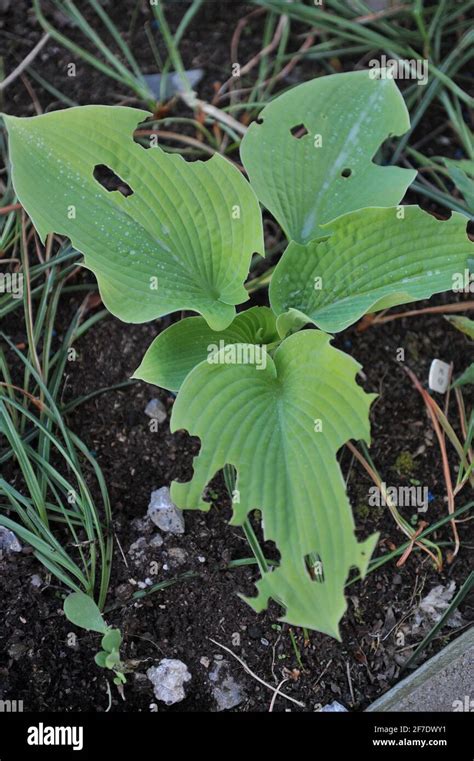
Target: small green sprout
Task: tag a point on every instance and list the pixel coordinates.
(109, 657)
(81, 610)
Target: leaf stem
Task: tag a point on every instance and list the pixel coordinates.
(229, 478)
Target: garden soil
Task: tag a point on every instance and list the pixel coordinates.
(43, 666)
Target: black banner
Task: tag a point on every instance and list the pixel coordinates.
(376, 735)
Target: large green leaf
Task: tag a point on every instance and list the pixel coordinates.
(182, 346)
(304, 183)
(281, 429)
(183, 240)
(372, 259)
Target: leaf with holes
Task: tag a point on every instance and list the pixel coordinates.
(371, 259)
(182, 240)
(309, 155)
(182, 346)
(281, 428)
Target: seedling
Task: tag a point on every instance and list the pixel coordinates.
(81, 610)
(266, 399)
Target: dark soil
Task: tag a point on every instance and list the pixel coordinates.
(37, 663)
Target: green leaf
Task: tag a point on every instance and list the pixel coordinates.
(464, 324)
(112, 640)
(266, 424)
(466, 377)
(462, 174)
(303, 183)
(81, 610)
(290, 322)
(101, 659)
(112, 659)
(372, 259)
(183, 240)
(182, 346)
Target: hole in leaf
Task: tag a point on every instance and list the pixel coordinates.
(314, 566)
(111, 181)
(346, 172)
(299, 131)
(145, 135)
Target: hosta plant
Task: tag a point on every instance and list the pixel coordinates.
(273, 401)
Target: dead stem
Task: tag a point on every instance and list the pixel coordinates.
(403, 526)
(430, 406)
(369, 320)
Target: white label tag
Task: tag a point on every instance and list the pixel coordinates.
(438, 379)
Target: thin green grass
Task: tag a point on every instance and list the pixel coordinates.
(57, 501)
(105, 59)
(56, 493)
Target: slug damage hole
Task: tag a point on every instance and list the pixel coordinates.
(146, 135)
(111, 181)
(346, 172)
(299, 131)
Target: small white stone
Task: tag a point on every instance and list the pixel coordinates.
(168, 679)
(137, 549)
(164, 513)
(156, 410)
(333, 707)
(226, 691)
(177, 556)
(8, 541)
